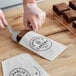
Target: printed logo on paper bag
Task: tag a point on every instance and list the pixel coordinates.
(40, 43)
(19, 72)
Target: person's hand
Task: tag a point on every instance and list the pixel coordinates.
(34, 17)
(3, 21)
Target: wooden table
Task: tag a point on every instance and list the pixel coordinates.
(63, 65)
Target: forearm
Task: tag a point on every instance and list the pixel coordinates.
(28, 1)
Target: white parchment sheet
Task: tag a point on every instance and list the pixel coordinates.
(43, 46)
(22, 65)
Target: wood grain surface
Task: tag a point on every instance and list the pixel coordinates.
(64, 65)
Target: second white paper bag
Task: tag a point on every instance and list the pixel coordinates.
(22, 65)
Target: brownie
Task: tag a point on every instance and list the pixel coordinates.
(18, 38)
(59, 8)
(72, 4)
(21, 34)
(74, 24)
(69, 15)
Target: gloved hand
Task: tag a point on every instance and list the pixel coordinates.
(34, 17)
(3, 21)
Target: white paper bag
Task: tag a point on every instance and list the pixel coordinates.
(41, 45)
(22, 65)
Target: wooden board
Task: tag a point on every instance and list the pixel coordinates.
(64, 65)
(61, 21)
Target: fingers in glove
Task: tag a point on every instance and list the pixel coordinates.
(2, 17)
(1, 24)
(34, 24)
(27, 25)
(39, 23)
(41, 19)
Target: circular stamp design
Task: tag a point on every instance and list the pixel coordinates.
(40, 43)
(36, 71)
(19, 72)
